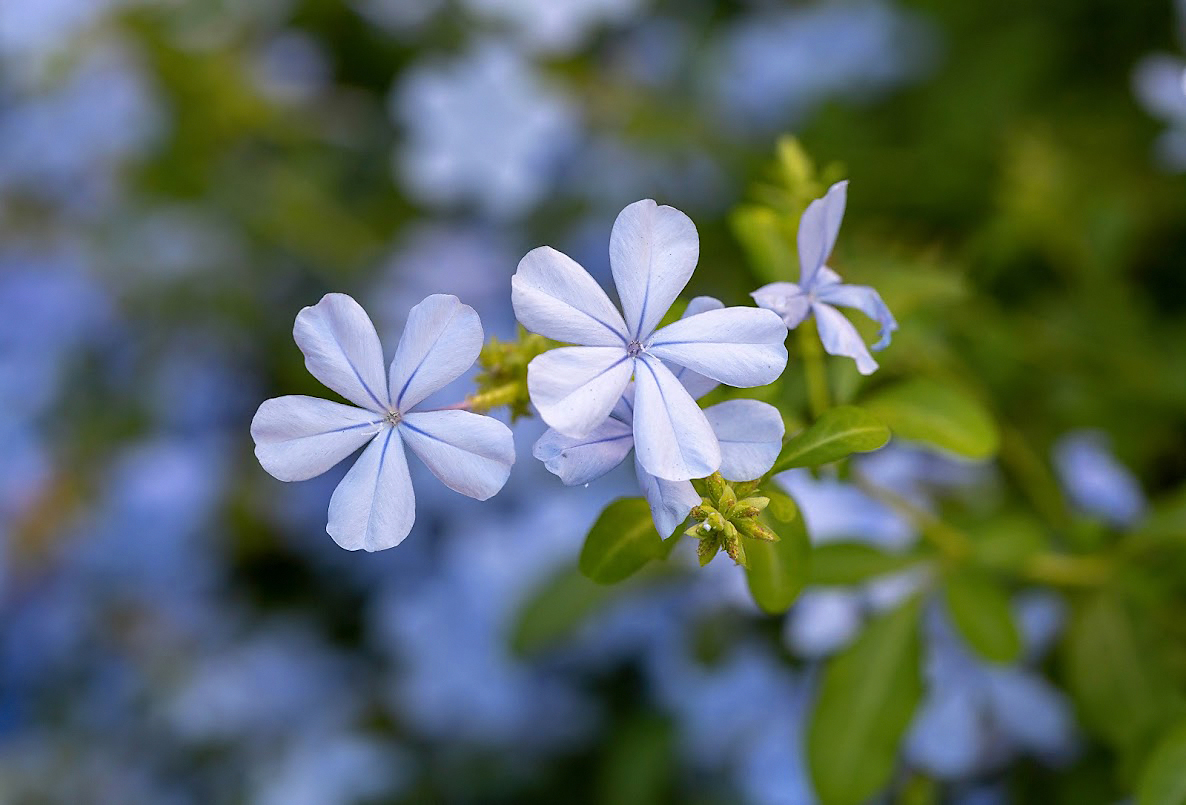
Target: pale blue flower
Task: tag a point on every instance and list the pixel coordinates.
(297, 437)
(1159, 83)
(1095, 481)
(554, 26)
(653, 251)
(820, 289)
(750, 434)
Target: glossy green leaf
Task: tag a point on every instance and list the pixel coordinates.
(621, 541)
(937, 414)
(1162, 780)
(979, 607)
(839, 432)
(845, 563)
(778, 571)
(867, 699)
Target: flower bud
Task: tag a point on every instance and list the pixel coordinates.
(708, 548)
(746, 488)
(755, 530)
(749, 507)
(714, 485)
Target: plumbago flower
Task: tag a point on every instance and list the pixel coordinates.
(297, 437)
(750, 435)
(820, 288)
(653, 251)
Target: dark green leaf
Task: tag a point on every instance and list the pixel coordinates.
(867, 698)
(1162, 780)
(844, 563)
(621, 541)
(941, 415)
(980, 609)
(839, 432)
(778, 571)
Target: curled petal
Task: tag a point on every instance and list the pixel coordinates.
(818, 229)
(866, 300)
(441, 339)
(672, 437)
(579, 461)
(554, 297)
(750, 433)
(786, 299)
(374, 506)
(670, 501)
(839, 337)
(297, 437)
(342, 350)
(653, 250)
(470, 453)
(575, 388)
(739, 346)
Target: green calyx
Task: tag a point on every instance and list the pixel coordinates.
(503, 379)
(727, 512)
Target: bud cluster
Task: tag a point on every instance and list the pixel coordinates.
(726, 514)
(503, 379)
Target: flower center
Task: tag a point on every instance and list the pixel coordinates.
(634, 349)
(393, 418)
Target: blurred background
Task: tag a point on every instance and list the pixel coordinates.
(179, 177)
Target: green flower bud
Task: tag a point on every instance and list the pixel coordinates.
(708, 548)
(735, 549)
(746, 488)
(749, 507)
(714, 485)
(727, 500)
(755, 530)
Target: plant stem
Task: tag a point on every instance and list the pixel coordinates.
(1068, 571)
(814, 369)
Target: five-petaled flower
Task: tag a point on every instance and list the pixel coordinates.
(653, 252)
(298, 437)
(750, 434)
(820, 288)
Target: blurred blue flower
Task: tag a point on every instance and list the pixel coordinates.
(482, 129)
(554, 26)
(1095, 481)
(1159, 83)
(291, 68)
(334, 768)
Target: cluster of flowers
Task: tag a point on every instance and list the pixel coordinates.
(627, 383)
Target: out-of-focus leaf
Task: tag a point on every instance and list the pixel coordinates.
(777, 571)
(556, 609)
(1006, 544)
(782, 506)
(979, 608)
(839, 432)
(844, 563)
(621, 541)
(638, 764)
(867, 698)
(764, 238)
(1162, 780)
(937, 414)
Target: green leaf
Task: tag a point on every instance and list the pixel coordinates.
(764, 237)
(782, 507)
(621, 541)
(846, 563)
(839, 432)
(1162, 780)
(556, 609)
(937, 414)
(638, 766)
(1006, 543)
(778, 571)
(867, 698)
(980, 609)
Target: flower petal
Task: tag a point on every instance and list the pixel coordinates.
(839, 337)
(697, 384)
(818, 229)
(579, 461)
(785, 299)
(470, 453)
(671, 434)
(740, 346)
(653, 251)
(750, 433)
(554, 297)
(441, 339)
(298, 438)
(670, 501)
(575, 388)
(866, 300)
(374, 506)
(342, 350)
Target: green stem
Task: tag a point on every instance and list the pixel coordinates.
(814, 369)
(1068, 571)
(495, 397)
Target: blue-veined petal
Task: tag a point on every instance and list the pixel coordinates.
(839, 337)
(786, 299)
(818, 229)
(579, 461)
(470, 453)
(750, 433)
(672, 437)
(697, 384)
(670, 501)
(575, 388)
(374, 506)
(554, 297)
(739, 346)
(298, 437)
(866, 300)
(342, 350)
(653, 251)
(441, 339)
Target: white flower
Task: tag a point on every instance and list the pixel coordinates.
(297, 437)
(653, 251)
(820, 287)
